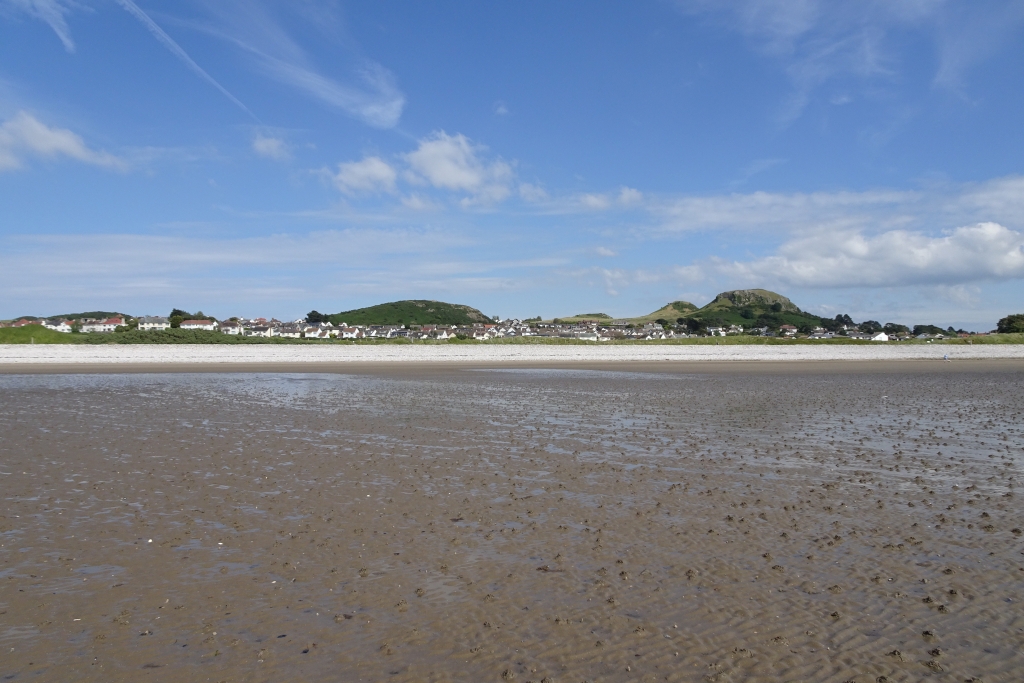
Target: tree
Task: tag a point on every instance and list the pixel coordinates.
(178, 313)
(777, 307)
(805, 329)
(314, 317)
(176, 320)
(895, 328)
(748, 313)
(870, 327)
(1011, 323)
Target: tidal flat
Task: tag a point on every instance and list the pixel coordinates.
(535, 524)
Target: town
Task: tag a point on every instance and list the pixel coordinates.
(594, 330)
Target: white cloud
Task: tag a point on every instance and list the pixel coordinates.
(372, 174)
(380, 106)
(271, 147)
(500, 109)
(594, 202)
(785, 212)
(628, 196)
(817, 41)
(371, 95)
(25, 135)
(532, 193)
(453, 162)
(50, 11)
(982, 252)
(604, 251)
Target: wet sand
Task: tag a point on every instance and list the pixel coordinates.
(754, 522)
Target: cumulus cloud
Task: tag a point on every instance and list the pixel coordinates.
(975, 253)
(371, 174)
(51, 12)
(453, 162)
(271, 147)
(24, 135)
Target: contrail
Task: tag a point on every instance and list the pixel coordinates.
(178, 52)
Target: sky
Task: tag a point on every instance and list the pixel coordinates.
(265, 158)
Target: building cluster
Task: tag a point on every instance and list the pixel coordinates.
(300, 329)
(586, 330)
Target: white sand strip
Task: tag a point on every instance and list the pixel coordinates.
(39, 354)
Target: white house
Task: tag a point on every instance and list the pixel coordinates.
(208, 325)
(231, 327)
(149, 323)
(108, 325)
(57, 325)
(881, 336)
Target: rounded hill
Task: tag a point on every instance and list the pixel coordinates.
(411, 312)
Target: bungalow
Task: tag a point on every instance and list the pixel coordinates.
(788, 330)
(350, 333)
(58, 325)
(881, 336)
(208, 325)
(108, 325)
(292, 332)
(716, 331)
(148, 323)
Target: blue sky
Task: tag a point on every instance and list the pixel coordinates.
(528, 158)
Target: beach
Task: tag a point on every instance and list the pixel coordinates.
(503, 523)
(40, 357)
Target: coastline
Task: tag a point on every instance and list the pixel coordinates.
(52, 359)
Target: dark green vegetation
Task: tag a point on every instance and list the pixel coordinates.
(1011, 324)
(99, 315)
(178, 315)
(409, 312)
(753, 308)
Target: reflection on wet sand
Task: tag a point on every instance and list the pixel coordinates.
(528, 524)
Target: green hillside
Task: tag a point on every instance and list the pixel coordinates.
(411, 312)
(746, 307)
(584, 317)
(670, 312)
(753, 307)
(34, 333)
